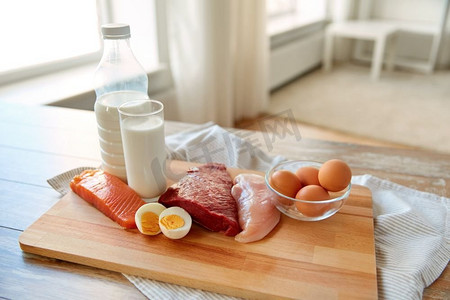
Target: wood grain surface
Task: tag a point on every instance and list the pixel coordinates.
(333, 258)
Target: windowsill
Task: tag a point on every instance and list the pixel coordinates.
(65, 85)
(51, 87)
(284, 30)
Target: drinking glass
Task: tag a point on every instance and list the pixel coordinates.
(142, 131)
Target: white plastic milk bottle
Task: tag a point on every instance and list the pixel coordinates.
(119, 78)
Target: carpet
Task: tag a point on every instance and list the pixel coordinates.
(402, 107)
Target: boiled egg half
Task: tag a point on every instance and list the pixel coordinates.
(147, 218)
(175, 222)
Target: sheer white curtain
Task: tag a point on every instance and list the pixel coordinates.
(219, 58)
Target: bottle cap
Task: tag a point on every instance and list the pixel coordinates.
(116, 31)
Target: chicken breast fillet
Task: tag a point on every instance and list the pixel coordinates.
(256, 210)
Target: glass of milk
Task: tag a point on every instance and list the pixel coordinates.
(142, 131)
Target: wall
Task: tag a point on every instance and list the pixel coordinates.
(408, 10)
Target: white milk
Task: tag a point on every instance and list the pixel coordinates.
(145, 156)
(108, 124)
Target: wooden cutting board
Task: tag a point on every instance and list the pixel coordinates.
(329, 259)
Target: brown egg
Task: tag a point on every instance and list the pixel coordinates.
(335, 175)
(313, 193)
(285, 182)
(308, 175)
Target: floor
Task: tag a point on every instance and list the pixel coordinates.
(403, 107)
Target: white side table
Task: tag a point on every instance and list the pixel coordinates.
(382, 34)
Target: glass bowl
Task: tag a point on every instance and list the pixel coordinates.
(303, 209)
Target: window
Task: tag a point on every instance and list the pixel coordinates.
(281, 7)
(141, 16)
(47, 31)
(285, 15)
(51, 35)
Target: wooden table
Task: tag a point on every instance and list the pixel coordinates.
(39, 142)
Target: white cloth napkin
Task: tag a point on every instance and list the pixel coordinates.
(411, 227)
(411, 237)
(211, 143)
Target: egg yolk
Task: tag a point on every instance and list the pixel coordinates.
(150, 223)
(172, 222)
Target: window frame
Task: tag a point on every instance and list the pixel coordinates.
(21, 74)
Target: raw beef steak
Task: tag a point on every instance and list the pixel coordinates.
(205, 193)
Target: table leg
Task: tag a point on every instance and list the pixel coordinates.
(391, 49)
(328, 51)
(377, 60)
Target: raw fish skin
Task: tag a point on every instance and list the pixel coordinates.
(108, 194)
(257, 213)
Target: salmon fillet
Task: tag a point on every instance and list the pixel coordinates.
(108, 194)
